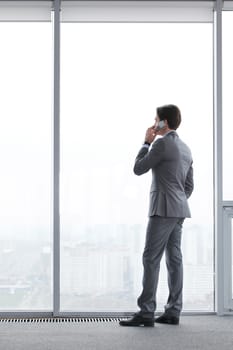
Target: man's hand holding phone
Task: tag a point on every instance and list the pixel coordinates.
(155, 130)
(150, 134)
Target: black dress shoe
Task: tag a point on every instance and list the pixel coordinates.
(138, 320)
(168, 319)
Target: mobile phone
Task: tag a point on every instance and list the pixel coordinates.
(161, 125)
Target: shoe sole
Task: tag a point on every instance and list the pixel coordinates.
(148, 324)
(145, 324)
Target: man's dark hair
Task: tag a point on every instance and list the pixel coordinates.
(171, 113)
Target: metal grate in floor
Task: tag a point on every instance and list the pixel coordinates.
(59, 320)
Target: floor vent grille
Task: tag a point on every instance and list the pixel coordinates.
(60, 320)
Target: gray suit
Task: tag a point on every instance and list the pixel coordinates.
(170, 160)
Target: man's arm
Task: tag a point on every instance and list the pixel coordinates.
(189, 185)
(146, 159)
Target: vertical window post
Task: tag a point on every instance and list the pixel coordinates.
(56, 159)
(219, 252)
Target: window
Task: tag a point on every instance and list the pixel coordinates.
(119, 61)
(25, 177)
(113, 75)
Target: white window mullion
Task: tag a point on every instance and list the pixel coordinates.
(33, 11)
(137, 11)
(56, 161)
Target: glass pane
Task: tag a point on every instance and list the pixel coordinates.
(25, 177)
(113, 76)
(227, 71)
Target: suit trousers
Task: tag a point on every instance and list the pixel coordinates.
(163, 235)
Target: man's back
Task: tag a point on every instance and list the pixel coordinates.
(172, 176)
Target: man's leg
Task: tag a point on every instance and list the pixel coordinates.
(157, 235)
(175, 271)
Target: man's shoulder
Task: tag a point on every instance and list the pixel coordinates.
(173, 142)
(159, 144)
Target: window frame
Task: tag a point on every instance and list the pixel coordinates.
(219, 204)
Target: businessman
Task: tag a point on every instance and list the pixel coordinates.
(170, 161)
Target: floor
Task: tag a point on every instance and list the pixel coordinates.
(194, 332)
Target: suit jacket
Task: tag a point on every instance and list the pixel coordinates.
(170, 160)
